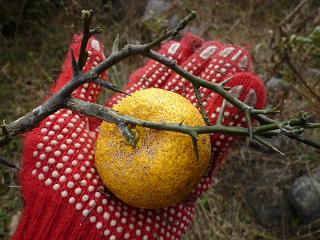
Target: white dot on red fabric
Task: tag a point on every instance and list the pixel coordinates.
(113, 223)
(127, 236)
(51, 117)
(119, 229)
(42, 156)
(60, 137)
(70, 184)
(48, 182)
(99, 225)
(41, 176)
(56, 186)
(55, 174)
(78, 191)
(62, 178)
(93, 219)
(106, 232)
(85, 198)
(57, 153)
(138, 232)
(64, 194)
(78, 206)
(44, 130)
(60, 165)
(70, 152)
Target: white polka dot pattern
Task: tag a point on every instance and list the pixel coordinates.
(63, 156)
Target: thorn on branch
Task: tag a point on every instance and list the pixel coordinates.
(220, 118)
(75, 66)
(180, 124)
(115, 46)
(227, 88)
(8, 164)
(224, 82)
(249, 123)
(108, 85)
(268, 145)
(202, 110)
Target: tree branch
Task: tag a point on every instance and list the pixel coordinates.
(62, 99)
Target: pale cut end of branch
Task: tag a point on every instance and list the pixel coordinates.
(95, 30)
(268, 145)
(5, 136)
(115, 46)
(86, 14)
(86, 19)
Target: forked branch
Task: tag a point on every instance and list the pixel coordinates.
(62, 99)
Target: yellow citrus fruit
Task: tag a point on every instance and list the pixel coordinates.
(162, 168)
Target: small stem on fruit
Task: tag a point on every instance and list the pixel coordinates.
(129, 134)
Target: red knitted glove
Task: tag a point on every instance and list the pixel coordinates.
(215, 62)
(64, 196)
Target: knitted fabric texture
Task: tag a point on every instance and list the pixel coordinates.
(64, 196)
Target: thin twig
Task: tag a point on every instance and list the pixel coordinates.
(86, 19)
(62, 99)
(8, 163)
(108, 85)
(221, 113)
(293, 13)
(200, 105)
(109, 115)
(301, 79)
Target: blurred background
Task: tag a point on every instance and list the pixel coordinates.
(258, 194)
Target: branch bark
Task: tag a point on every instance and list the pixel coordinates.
(62, 99)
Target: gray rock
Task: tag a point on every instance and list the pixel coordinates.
(277, 84)
(269, 206)
(304, 196)
(156, 7)
(268, 201)
(161, 10)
